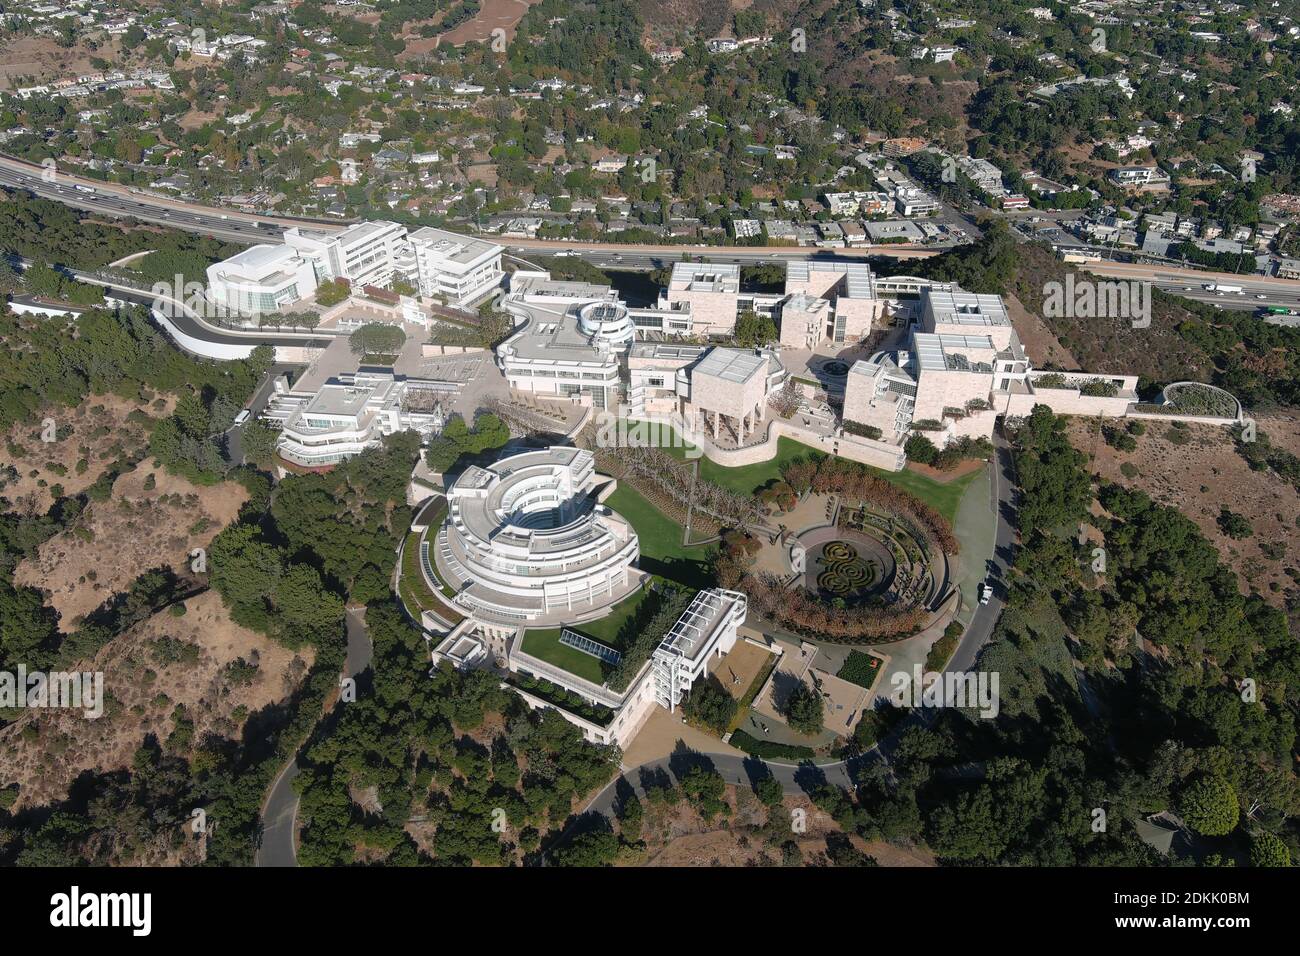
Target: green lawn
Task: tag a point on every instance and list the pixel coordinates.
(662, 552)
(545, 642)
(749, 478)
(943, 496)
(606, 630)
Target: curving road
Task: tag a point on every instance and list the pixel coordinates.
(279, 845)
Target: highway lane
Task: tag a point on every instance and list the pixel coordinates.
(1257, 291)
(144, 208)
(119, 200)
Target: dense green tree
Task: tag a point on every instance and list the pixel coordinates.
(1209, 806)
(805, 710)
(1268, 850)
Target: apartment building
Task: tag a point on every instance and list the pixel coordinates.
(910, 202)
(1139, 177)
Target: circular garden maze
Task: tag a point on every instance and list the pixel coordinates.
(851, 571)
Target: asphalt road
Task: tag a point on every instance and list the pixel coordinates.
(234, 434)
(1256, 291)
(115, 200)
(279, 846)
(1003, 492)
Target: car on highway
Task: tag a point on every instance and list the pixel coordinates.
(1261, 296)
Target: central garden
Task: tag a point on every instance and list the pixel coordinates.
(854, 572)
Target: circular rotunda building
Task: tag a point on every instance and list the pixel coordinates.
(525, 542)
(607, 321)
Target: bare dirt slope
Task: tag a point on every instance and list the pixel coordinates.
(137, 529)
(1205, 475)
(678, 836)
(163, 662)
(97, 431)
(1043, 348)
(25, 60)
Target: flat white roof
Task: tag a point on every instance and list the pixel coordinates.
(454, 247)
(731, 365)
(261, 257)
(859, 282)
(958, 307)
(706, 276)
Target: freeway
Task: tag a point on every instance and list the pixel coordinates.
(115, 200)
(626, 256)
(1190, 283)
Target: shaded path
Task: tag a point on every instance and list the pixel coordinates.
(279, 846)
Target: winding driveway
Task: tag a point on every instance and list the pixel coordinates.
(279, 846)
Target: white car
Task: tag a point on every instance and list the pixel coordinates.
(984, 592)
(242, 416)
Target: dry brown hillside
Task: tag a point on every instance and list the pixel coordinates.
(90, 438)
(152, 519)
(1157, 353)
(1197, 470)
(219, 671)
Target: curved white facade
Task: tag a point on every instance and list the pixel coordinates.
(608, 321)
(525, 541)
